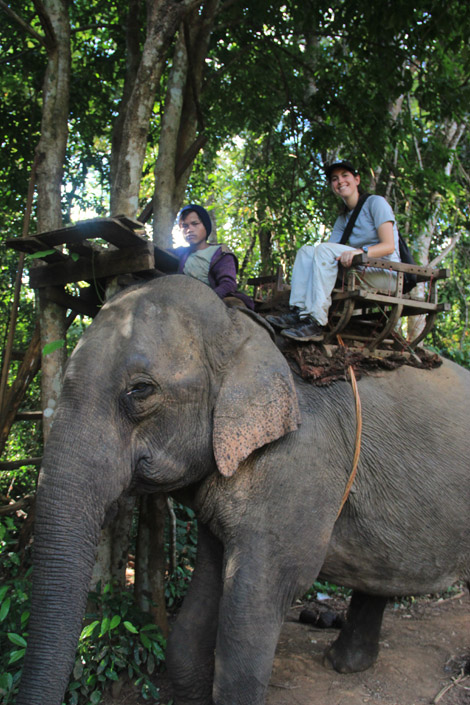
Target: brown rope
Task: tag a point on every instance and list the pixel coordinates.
(357, 449)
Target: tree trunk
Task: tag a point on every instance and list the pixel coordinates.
(150, 563)
(50, 160)
(453, 132)
(179, 144)
(131, 130)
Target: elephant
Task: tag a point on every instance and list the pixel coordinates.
(171, 390)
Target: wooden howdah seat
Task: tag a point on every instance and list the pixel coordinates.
(362, 316)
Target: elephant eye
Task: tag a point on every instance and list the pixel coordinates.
(141, 396)
(141, 390)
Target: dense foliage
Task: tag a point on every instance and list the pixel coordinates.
(286, 87)
(117, 641)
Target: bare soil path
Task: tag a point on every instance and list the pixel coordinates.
(424, 649)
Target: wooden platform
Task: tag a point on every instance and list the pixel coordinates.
(88, 254)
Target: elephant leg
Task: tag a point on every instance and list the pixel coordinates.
(250, 618)
(357, 646)
(191, 645)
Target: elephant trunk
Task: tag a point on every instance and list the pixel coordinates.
(69, 515)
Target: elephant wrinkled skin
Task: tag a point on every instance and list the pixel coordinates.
(171, 389)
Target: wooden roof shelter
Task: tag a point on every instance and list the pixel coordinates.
(91, 252)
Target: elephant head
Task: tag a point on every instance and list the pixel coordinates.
(167, 386)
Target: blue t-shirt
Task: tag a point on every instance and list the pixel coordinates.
(375, 211)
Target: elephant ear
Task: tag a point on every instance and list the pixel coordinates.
(256, 404)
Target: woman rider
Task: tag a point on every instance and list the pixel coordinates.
(316, 267)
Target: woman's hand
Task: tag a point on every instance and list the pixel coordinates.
(346, 257)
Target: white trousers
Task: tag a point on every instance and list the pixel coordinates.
(314, 276)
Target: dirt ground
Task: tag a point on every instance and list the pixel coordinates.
(424, 652)
(424, 649)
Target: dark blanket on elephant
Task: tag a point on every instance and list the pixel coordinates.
(322, 365)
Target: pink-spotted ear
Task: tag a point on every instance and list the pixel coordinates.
(256, 404)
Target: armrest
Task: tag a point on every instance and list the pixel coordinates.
(423, 273)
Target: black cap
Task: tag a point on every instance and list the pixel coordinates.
(340, 165)
(202, 213)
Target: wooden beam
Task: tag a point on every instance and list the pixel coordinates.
(78, 304)
(423, 273)
(31, 245)
(110, 229)
(28, 416)
(411, 306)
(105, 264)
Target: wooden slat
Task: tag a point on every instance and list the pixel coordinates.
(132, 223)
(423, 273)
(84, 248)
(165, 261)
(31, 245)
(108, 229)
(105, 264)
(13, 465)
(362, 295)
(113, 231)
(28, 416)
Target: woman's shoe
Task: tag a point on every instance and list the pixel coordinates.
(285, 320)
(309, 330)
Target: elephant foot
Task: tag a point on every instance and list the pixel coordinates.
(346, 660)
(357, 646)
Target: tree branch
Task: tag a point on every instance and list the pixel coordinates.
(446, 251)
(14, 507)
(24, 25)
(50, 39)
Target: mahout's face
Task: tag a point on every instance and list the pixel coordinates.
(193, 229)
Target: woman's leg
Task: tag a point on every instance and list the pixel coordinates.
(380, 279)
(324, 275)
(301, 276)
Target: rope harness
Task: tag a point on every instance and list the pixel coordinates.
(357, 448)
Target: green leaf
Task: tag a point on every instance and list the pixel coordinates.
(149, 627)
(77, 670)
(6, 681)
(16, 655)
(111, 675)
(95, 697)
(145, 641)
(88, 630)
(3, 592)
(104, 626)
(4, 609)
(150, 664)
(116, 620)
(130, 628)
(16, 639)
(52, 347)
(42, 253)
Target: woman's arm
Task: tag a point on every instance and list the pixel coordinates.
(386, 246)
